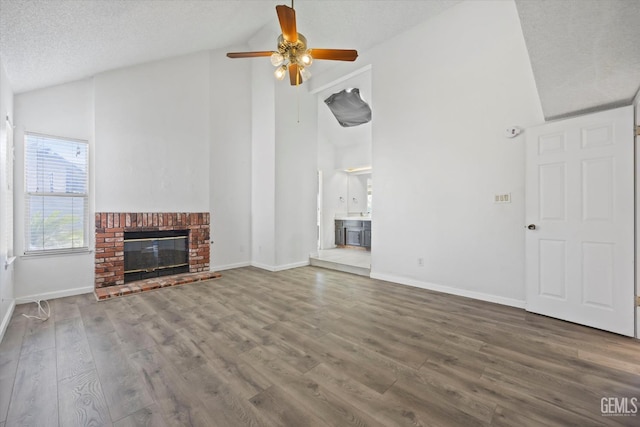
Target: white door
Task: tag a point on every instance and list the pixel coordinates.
(580, 199)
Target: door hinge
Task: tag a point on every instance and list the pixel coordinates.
(637, 130)
(638, 301)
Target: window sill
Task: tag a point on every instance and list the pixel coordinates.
(55, 253)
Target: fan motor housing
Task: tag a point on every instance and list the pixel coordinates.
(291, 50)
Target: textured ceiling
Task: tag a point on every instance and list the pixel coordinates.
(584, 53)
(45, 42)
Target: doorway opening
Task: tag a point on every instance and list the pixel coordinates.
(345, 185)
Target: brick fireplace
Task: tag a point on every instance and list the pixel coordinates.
(110, 229)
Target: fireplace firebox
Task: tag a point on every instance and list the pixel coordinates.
(155, 253)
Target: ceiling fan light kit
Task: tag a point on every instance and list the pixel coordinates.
(292, 54)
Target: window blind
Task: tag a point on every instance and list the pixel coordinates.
(56, 185)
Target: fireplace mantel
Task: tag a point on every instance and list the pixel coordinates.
(109, 235)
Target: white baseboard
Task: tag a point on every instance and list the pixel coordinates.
(263, 266)
(448, 290)
(292, 265)
(275, 268)
(7, 318)
(230, 266)
(53, 295)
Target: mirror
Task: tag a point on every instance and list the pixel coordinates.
(359, 194)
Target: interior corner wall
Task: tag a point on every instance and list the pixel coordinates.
(230, 161)
(263, 152)
(67, 111)
(440, 155)
(6, 272)
(296, 178)
(152, 136)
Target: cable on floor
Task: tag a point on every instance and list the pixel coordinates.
(44, 313)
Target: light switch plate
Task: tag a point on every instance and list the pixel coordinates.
(502, 198)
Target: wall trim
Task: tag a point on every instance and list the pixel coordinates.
(448, 290)
(274, 268)
(7, 318)
(292, 265)
(262, 266)
(56, 294)
(230, 266)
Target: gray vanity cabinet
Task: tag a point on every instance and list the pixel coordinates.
(340, 233)
(366, 238)
(354, 236)
(353, 233)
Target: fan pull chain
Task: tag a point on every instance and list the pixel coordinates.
(298, 100)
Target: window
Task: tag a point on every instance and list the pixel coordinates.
(56, 199)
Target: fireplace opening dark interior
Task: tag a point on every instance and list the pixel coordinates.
(150, 254)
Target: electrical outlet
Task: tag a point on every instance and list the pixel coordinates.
(420, 262)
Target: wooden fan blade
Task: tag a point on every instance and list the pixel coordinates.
(335, 54)
(294, 75)
(287, 18)
(249, 54)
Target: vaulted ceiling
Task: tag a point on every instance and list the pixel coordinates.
(584, 53)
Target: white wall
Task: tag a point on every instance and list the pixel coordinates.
(151, 153)
(334, 181)
(357, 193)
(6, 273)
(230, 161)
(152, 137)
(354, 155)
(284, 183)
(439, 154)
(334, 188)
(296, 181)
(283, 166)
(66, 111)
(263, 163)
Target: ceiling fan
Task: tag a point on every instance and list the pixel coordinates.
(292, 53)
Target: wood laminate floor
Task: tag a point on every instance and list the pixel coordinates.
(307, 347)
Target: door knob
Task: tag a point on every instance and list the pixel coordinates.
(531, 226)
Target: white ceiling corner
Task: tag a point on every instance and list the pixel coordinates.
(585, 54)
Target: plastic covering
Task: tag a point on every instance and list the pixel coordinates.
(349, 108)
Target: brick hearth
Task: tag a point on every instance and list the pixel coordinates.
(110, 229)
(151, 284)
